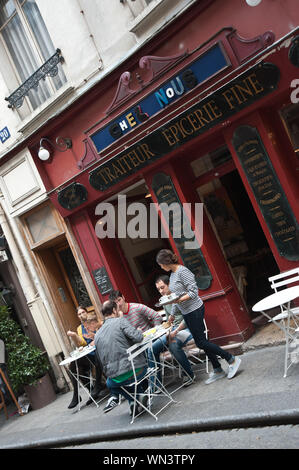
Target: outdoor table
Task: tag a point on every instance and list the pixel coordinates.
(74, 357)
(281, 298)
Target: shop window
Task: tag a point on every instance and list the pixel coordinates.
(26, 46)
(73, 277)
(290, 119)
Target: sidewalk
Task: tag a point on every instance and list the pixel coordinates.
(258, 394)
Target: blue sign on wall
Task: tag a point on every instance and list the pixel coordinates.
(207, 65)
(4, 134)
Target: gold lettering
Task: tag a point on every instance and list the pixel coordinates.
(214, 109)
(140, 156)
(117, 170)
(233, 89)
(168, 137)
(183, 129)
(108, 174)
(228, 98)
(124, 159)
(270, 201)
(192, 121)
(244, 89)
(131, 119)
(203, 121)
(258, 88)
(147, 151)
(133, 158)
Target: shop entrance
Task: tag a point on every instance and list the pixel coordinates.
(64, 282)
(138, 253)
(235, 223)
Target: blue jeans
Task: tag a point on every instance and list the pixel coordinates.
(116, 390)
(175, 347)
(194, 321)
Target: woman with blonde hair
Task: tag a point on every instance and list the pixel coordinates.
(82, 337)
(182, 282)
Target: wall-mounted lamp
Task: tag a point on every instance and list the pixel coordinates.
(62, 144)
(253, 3)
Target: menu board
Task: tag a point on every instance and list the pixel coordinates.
(193, 259)
(102, 280)
(268, 191)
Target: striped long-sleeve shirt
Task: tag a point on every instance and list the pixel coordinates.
(141, 316)
(182, 281)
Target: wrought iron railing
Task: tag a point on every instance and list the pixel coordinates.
(50, 68)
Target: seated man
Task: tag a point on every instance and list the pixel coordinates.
(112, 341)
(177, 342)
(84, 336)
(142, 317)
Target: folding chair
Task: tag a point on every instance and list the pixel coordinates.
(133, 352)
(282, 280)
(192, 352)
(288, 323)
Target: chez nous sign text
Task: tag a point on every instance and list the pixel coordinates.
(241, 92)
(206, 66)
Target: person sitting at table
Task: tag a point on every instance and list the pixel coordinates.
(84, 336)
(112, 341)
(142, 317)
(181, 339)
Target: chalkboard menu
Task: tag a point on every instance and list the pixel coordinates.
(268, 192)
(102, 280)
(193, 259)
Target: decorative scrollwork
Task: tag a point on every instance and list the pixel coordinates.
(50, 67)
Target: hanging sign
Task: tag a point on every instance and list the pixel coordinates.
(267, 191)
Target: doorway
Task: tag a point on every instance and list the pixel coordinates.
(64, 282)
(235, 224)
(139, 252)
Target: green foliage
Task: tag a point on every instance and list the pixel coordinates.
(25, 362)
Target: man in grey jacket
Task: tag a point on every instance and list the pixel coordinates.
(112, 341)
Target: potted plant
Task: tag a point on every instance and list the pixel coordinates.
(27, 365)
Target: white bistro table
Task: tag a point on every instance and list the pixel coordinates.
(74, 357)
(279, 299)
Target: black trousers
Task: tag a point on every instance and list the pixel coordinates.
(195, 323)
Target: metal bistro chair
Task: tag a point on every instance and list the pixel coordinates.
(193, 353)
(282, 280)
(290, 325)
(134, 351)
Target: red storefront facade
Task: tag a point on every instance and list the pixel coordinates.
(193, 117)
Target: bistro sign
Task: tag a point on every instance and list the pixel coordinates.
(241, 92)
(206, 66)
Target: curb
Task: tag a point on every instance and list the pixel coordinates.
(290, 416)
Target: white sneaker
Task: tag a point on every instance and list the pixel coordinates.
(232, 368)
(215, 376)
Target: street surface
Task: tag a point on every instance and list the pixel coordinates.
(273, 437)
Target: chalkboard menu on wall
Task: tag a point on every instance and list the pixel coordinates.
(102, 280)
(268, 191)
(193, 259)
